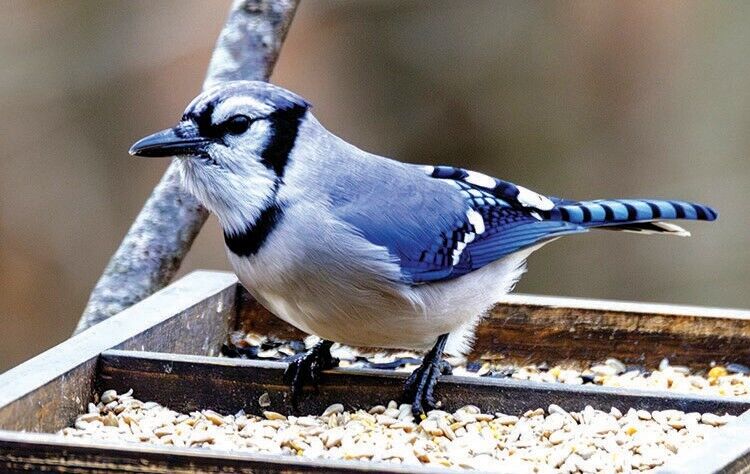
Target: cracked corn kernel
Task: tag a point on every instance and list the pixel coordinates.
(717, 372)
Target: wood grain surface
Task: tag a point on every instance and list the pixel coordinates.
(188, 383)
(48, 391)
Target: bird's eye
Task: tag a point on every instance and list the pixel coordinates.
(237, 125)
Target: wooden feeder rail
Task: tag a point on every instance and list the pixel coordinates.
(163, 348)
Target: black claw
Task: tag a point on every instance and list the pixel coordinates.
(305, 369)
(419, 389)
(445, 367)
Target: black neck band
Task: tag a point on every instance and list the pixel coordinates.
(249, 241)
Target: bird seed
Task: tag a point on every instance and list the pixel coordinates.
(732, 380)
(549, 440)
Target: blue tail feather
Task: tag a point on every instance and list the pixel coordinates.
(603, 212)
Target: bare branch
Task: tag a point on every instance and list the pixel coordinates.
(163, 232)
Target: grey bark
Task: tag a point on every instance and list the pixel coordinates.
(154, 247)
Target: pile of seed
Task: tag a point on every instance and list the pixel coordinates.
(538, 441)
(730, 380)
(718, 380)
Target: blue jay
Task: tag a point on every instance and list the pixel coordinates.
(361, 249)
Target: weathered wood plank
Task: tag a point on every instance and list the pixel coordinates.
(542, 328)
(48, 391)
(528, 329)
(188, 383)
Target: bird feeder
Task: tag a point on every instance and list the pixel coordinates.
(166, 349)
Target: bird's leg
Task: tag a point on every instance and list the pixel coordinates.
(419, 387)
(306, 368)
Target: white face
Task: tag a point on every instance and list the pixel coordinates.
(232, 181)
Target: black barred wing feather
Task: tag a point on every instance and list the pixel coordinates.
(510, 194)
(510, 230)
(502, 218)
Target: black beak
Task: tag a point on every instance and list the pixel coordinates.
(180, 140)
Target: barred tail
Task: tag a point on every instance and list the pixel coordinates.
(634, 215)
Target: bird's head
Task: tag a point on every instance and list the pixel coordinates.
(233, 142)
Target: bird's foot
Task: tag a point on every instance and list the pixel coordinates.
(306, 368)
(419, 389)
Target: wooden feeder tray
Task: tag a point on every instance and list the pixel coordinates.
(164, 348)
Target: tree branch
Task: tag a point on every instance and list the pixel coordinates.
(166, 227)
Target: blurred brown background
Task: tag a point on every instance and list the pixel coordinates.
(580, 99)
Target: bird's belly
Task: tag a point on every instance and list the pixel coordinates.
(353, 320)
(362, 316)
(402, 318)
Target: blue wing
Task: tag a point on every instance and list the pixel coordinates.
(451, 221)
(509, 220)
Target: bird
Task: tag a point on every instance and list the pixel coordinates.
(364, 250)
